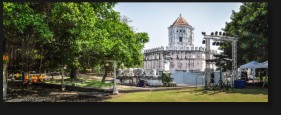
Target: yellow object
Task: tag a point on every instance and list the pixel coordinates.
(17, 75)
(5, 58)
(26, 79)
(34, 78)
(40, 78)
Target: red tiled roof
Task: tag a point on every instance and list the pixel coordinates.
(180, 21)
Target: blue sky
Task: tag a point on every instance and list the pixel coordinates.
(154, 18)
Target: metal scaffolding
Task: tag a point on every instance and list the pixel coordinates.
(233, 40)
(208, 68)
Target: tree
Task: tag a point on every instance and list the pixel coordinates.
(72, 24)
(113, 40)
(73, 34)
(24, 28)
(250, 25)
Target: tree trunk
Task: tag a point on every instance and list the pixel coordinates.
(62, 78)
(5, 82)
(105, 75)
(41, 59)
(73, 73)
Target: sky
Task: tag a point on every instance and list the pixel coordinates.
(155, 18)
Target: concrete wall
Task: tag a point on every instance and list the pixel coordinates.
(182, 77)
(186, 77)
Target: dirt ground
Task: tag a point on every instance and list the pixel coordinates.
(39, 94)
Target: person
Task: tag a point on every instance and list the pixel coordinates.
(212, 77)
(260, 76)
(244, 75)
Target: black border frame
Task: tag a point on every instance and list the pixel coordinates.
(164, 107)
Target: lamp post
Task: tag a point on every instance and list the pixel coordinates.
(115, 91)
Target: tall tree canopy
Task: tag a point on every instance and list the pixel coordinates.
(72, 24)
(250, 25)
(24, 27)
(78, 35)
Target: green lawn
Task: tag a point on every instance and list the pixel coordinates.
(193, 95)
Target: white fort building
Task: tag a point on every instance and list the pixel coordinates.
(181, 54)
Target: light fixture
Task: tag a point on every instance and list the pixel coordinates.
(218, 43)
(203, 33)
(107, 64)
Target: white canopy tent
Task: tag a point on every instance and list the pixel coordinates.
(262, 65)
(253, 65)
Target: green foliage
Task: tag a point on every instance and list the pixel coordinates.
(78, 35)
(72, 24)
(24, 28)
(22, 15)
(250, 25)
(166, 77)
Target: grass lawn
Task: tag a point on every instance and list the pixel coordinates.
(193, 95)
